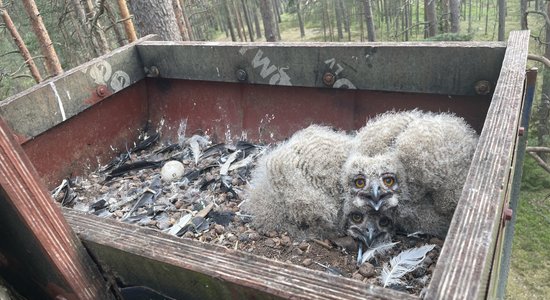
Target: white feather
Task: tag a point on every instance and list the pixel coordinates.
(224, 169)
(377, 249)
(402, 264)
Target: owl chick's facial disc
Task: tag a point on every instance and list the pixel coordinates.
(369, 227)
(373, 181)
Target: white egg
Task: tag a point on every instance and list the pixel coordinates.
(172, 170)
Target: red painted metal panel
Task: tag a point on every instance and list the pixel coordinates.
(76, 145)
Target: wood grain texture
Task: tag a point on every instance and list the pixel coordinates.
(243, 275)
(465, 263)
(48, 254)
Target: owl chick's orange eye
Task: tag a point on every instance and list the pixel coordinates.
(360, 183)
(356, 217)
(388, 181)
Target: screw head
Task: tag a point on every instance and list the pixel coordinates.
(482, 87)
(101, 91)
(329, 79)
(241, 75)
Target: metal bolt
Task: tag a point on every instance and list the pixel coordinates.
(507, 214)
(329, 79)
(101, 91)
(482, 87)
(241, 75)
(521, 131)
(152, 71)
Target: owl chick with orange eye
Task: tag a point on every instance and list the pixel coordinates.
(373, 182)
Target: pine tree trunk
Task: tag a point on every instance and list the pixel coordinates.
(53, 66)
(248, 23)
(278, 19)
(501, 19)
(20, 44)
(156, 17)
(300, 21)
(371, 34)
(228, 20)
(430, 16)
(178, 12)
(360, 13)
(339, 20)
(186, 20)
(268, 18)
(240, 27)
(128, 24)
(454, 8)
(112, 19)
(523, 18)
(543, 109)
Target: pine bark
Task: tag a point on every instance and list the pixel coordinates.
(53, 66)
(128, 24)
(178, 11)
(95, 27)
(300, 21)
(20, 44)
(371, 33)
(156, 17)
(430, 16)
(454, 9)
(270, 31)
(228, 21)
(501, 19)
(248, 23)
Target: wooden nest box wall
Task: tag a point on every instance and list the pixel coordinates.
(69, 124)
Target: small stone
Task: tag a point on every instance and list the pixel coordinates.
(254, 236)
(243, 237)
(307, 262)
(371, 281)
(219, 229)
(241, 229)
(270, 243)
(271, 234)
(436, 241)
(357, 276)
(367, 270)
(235, 181)
(231, 237)
(303, 246)
(431, 268)
(419, 272)
(428, 261)
(119, 213)
(286, 241)
(178, 204)
(189, 235)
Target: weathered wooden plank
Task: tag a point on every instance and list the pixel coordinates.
(226, 273)
(40, 255)
(49, 103)
(451, 68)
(464, 265)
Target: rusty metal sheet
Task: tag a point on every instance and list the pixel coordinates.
(452, 68)
(53, 101)
(95, 135)
(272, 113)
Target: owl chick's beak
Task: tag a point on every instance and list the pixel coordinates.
(365, 235)
(374, 196)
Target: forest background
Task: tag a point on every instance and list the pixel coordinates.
(41, 38)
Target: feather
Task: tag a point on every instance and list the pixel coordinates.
(224, 169)
(379, 249)
(402, 264)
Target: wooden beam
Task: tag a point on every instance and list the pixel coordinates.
(54, 101)
(40, 255)
(175, 267)
(435, 68)
(465, 262)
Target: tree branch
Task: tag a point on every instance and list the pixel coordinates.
(538, 149)
(540, 161)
